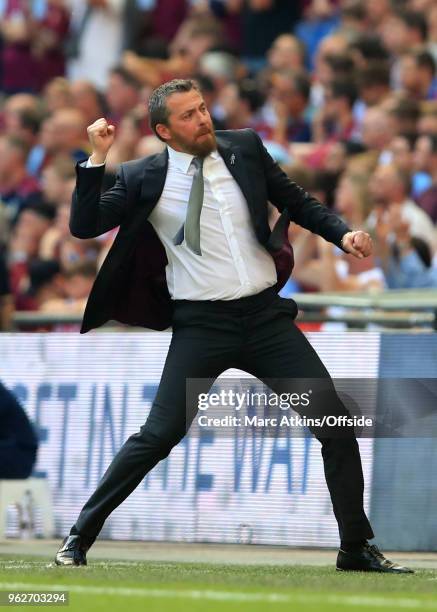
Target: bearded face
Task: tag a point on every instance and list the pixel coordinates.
(189, 127)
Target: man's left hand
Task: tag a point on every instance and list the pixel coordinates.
(357, 243)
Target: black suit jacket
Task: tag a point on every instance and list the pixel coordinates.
(131, 286)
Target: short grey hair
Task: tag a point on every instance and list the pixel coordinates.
(158, 111)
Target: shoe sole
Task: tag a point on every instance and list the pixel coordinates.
(375, 571)
(69, 563)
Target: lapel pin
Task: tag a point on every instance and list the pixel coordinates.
(232, 159)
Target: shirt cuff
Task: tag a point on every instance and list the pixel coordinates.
(89, 164)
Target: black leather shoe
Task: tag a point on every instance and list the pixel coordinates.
(368, 559)
(72, 552)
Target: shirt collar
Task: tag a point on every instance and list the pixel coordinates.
(182, 160)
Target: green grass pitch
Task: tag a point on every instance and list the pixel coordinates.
(204, 587)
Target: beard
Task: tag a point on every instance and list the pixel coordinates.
(204, 144)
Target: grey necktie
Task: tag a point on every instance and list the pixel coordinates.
(191, 227)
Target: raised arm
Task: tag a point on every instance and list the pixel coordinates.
(92, 213)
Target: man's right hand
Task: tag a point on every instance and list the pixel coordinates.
(101, 136)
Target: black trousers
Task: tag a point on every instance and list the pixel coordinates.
(256, 334)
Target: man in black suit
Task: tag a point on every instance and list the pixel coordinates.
(195, 251)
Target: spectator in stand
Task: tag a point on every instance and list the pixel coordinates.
(149, 145)
(406, 259)
(64, 132)
(122, 94)
(336, 120)
(25, 125)
(404, 30)
(49, 33)
(229, 14)
(194, 38)
(97, 24)
(87, 99)
(22, 118)
(336, 44)
(33, 35)
(42, 283)
(378, 11)
(17, 187)
(78, 282)
(262, 21)
(286, 53)
(325, 184)
(24, 244)
(221, 67)
(353, 20)
(16, 104)
(390, 189)
(404, 113)
(58, 180)
(340, 154)
(286, 107)
(421, 177)
(127, 139)
(210, 94)
(373, 82)
(241, 103)
(368, 49)
(18, 64)
(352, 199)
(339, 67)
(377, 133)
(402, 149)
(410, 267)
(149, 26)
(56, 234)
(426, 160)
(427, 122)
(73, 251)
(320, 20)
(48, 36)
(326, 267)
(417, 75)
(57, 95)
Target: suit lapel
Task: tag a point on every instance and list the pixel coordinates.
(233, 158)
(154, 180)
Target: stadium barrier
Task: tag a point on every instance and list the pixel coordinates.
(392, 309)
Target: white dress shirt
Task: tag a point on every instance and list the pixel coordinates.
(233, 263)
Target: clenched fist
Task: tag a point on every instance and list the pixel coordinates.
(101, 136)
(357, 243)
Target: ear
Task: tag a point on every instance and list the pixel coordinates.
(163, 131)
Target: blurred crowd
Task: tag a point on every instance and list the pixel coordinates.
(342, 92)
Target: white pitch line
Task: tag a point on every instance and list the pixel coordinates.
(341, 600)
